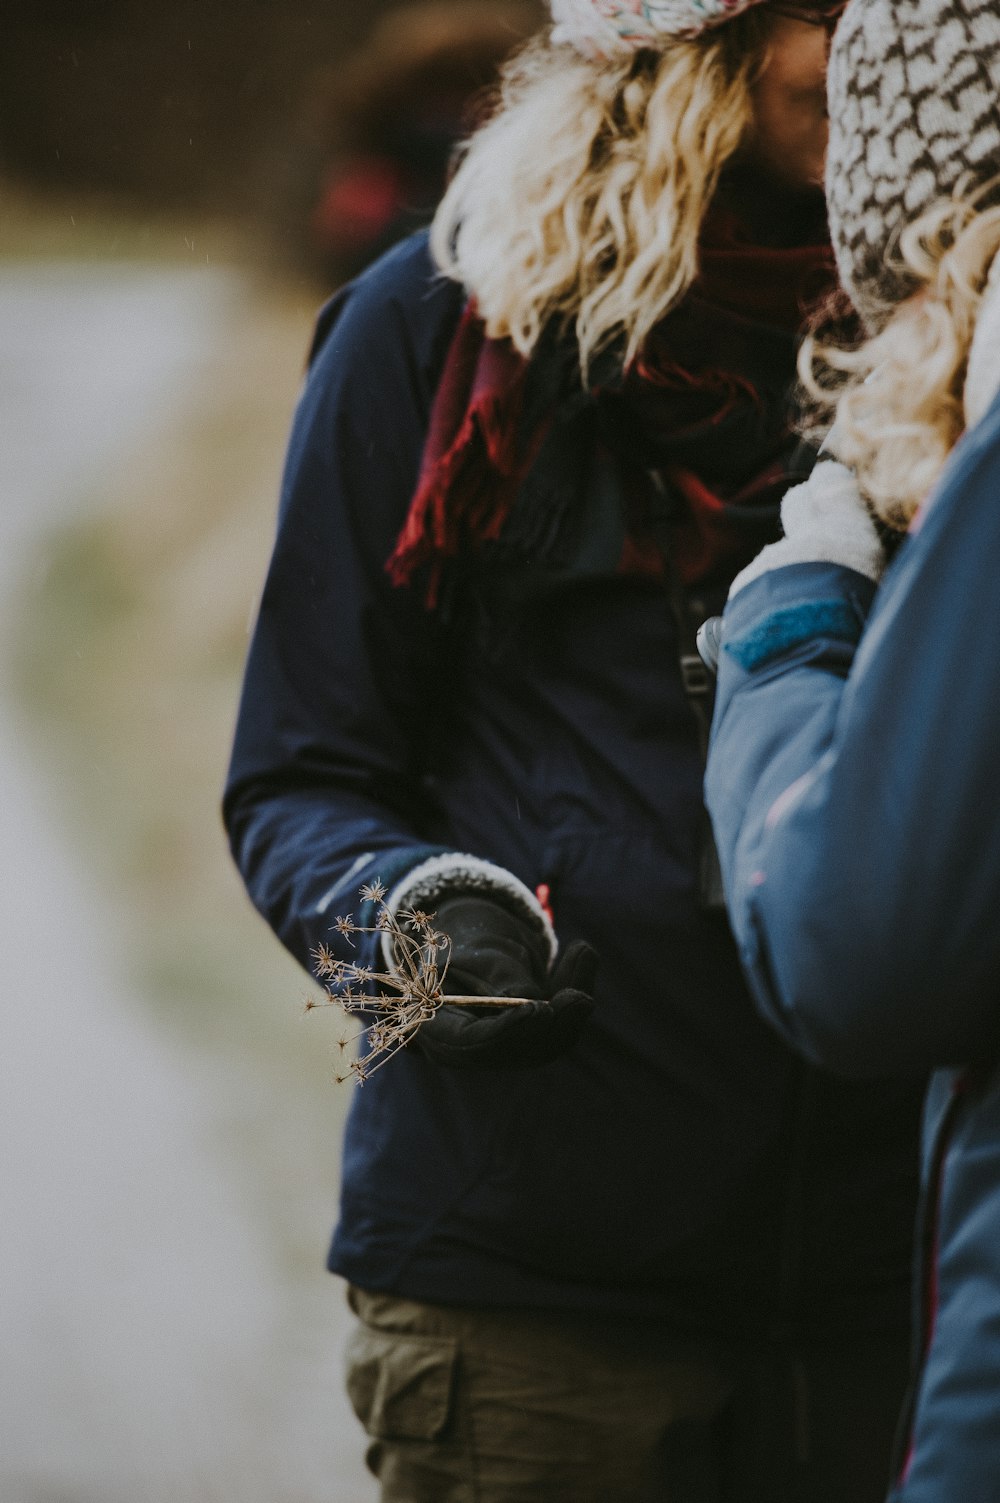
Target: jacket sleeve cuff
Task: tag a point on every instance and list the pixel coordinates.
(797, 605)
(452, 872)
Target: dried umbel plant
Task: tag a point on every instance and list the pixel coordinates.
(404, 998)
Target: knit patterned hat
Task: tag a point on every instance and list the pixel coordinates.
(615, 28)
(914, 91)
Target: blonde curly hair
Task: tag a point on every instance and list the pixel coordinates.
(897, 399)
(582, 197)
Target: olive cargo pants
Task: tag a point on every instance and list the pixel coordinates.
(484, 1406)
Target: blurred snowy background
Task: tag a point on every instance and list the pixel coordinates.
(180, 189)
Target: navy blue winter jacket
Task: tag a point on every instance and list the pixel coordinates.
(854, 795)
(680, 1161)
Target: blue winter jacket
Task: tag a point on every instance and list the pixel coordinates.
(680, 1161)
(853, 783)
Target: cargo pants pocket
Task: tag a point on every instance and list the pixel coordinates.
(401, 1386)
(403, 1390)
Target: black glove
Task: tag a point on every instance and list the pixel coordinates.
(494, 953)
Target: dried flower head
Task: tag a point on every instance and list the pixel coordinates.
(397, 1001)
(346, 927)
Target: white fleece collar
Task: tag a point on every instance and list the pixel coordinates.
(982, 380)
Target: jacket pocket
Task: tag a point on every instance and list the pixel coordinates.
(400, 1386)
